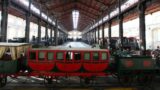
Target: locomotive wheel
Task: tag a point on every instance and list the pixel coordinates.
(3, 81)
(125, 80)
(48, 81)
(147, 79)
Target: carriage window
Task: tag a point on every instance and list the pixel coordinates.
(32, 55)
(95, 56)
(77, 56)
(50, 56)
(59, 56)
(69, 55)
(104, 56)
(86, 56)
(41, 55)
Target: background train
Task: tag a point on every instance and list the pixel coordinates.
(86, 63)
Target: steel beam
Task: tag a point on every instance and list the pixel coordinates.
(51, 36)
(27, 28)
(98, 34)
(39, 28)
(46, 32)
(103, 39)
(120, 25)
(142, 25)
(55, 34)
(109, 33)
(4, 21)
(95, 37)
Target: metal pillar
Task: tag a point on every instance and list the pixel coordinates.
(142, 26)
(103, 39)
(4, 20)
(120, 25)
(51, 36)
(27, 28)
(46, 32)
(95, 37)
(39, 31)
(39, 27)
(98, 33)
(55, 34)
(109, 33)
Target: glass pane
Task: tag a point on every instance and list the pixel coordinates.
(32, 55)
(50, 56)
(104, 56)
(59, 56)
(86, 56)
(77, 56)
(41, 56)
(69, 55)
(95, 56)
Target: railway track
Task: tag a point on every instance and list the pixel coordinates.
(72, 84)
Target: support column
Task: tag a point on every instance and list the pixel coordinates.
(98, 34)
(120, 25)
(51, 36)
(39, 27)
(103, 39)
(109, 33)
(27, 28)
(4, 21)
(95, 37)
(46, 32)
(39, 31)
(142, 26)
(55, 34)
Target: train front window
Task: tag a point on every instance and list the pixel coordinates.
(86, 56)
(77, 56)
(104, 56)
(50, 56)
(32, 55)
(41, 56)
(95, 56)
(59, 56)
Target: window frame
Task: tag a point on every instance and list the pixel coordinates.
(89, 56)
(35, 55)
(62, 55)
(53, 58)
(93, 56)
(44, 55)
(106, 56)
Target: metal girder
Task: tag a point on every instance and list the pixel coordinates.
(4, 21)
(88, 14)
(61, 5)
(87, 11)
(102, 3)
(142, 25)
(89, 7)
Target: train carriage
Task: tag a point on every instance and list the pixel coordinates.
(11, 59)
(75, 61)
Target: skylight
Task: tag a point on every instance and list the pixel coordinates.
(75, 16)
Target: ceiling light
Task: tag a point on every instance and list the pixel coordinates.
(75, 16)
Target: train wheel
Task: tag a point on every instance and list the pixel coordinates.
(3, 81)
(48, 81)
(146, 79)
(125, 80)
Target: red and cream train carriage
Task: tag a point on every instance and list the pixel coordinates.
(72, 61)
